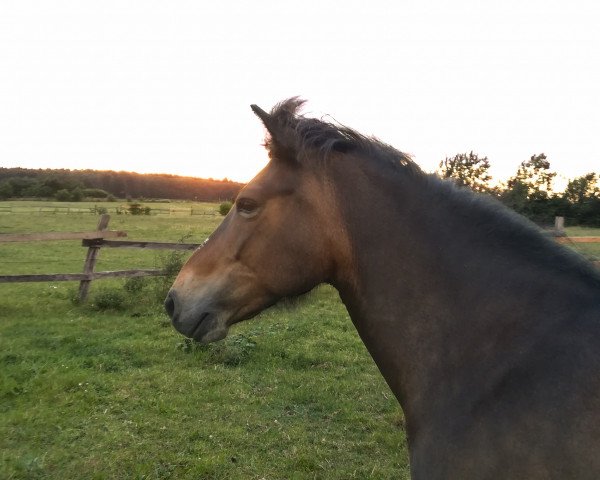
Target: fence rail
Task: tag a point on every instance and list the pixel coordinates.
(94, 241)
(32, 237)
(137, 244)
(578, 239)
(67, 277)
(100, 209)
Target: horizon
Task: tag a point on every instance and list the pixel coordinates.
(225, 179)
(166, 89)
(559, 182)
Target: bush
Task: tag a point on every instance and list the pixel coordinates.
(63, 195)
(136, 208)
(109, 299)
(76, 194)
(225, 207)
(95, 193)
(170, 264)
(6, 190)
(134, 285)
(96, 210)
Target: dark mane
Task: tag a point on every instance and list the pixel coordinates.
(495, 223)
(310, 139)
(307, 137)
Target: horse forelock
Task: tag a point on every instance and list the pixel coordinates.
(297, 138)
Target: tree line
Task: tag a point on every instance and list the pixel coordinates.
(530, 190)
(76, 185)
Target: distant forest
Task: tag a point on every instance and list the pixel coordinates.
(75, 185)
(529, 191)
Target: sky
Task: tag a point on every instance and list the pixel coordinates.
(165, 86)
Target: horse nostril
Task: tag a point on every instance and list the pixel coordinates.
(170, 305)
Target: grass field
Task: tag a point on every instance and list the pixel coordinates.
(89, 392)
(109, 390)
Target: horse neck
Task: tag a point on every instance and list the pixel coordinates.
(438, 307)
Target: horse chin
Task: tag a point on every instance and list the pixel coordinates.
(206, 324)
(212, 336)
(210, 328)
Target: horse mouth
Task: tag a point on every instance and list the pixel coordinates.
(196, 334)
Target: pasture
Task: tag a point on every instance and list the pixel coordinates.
(109, 390)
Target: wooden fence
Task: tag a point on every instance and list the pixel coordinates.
(101, 237)
(103, 208)
(561, 236)
(94, 241)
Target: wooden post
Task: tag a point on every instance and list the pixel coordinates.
(90, 260)
(559, 226)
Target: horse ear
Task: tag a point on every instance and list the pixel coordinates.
(265, 118)
(281, 142)
(277, 143)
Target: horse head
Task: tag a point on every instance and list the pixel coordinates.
(277, 241)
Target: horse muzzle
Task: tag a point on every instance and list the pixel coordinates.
(199, 321)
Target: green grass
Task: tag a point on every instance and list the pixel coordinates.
(117, 393)
(96, 392)
(589, 250)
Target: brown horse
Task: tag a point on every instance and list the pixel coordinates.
(487, 332)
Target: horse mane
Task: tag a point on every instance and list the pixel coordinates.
(297, 138)
(497, 223)
(294, 136)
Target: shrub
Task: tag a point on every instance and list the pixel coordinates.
(109, 299)
(6, 190)
(134, 285)
(63, 195)
(135, 208)
(76, 194)
(225, 207)
(96, 210)
(95, 193)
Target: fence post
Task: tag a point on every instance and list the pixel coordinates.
(90, 260)
(559, 225)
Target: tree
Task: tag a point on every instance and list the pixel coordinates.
(583, 196)
(63, 195)
(535, 177)
(77, 194)
(20, 185)
(582, 188)
(467, 170)
(529, 191)
(6, 190)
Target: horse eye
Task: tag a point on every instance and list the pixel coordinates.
(246, 207)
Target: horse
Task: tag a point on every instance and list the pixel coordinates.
(486, 330)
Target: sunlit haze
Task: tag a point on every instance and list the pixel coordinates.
(165, 87)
